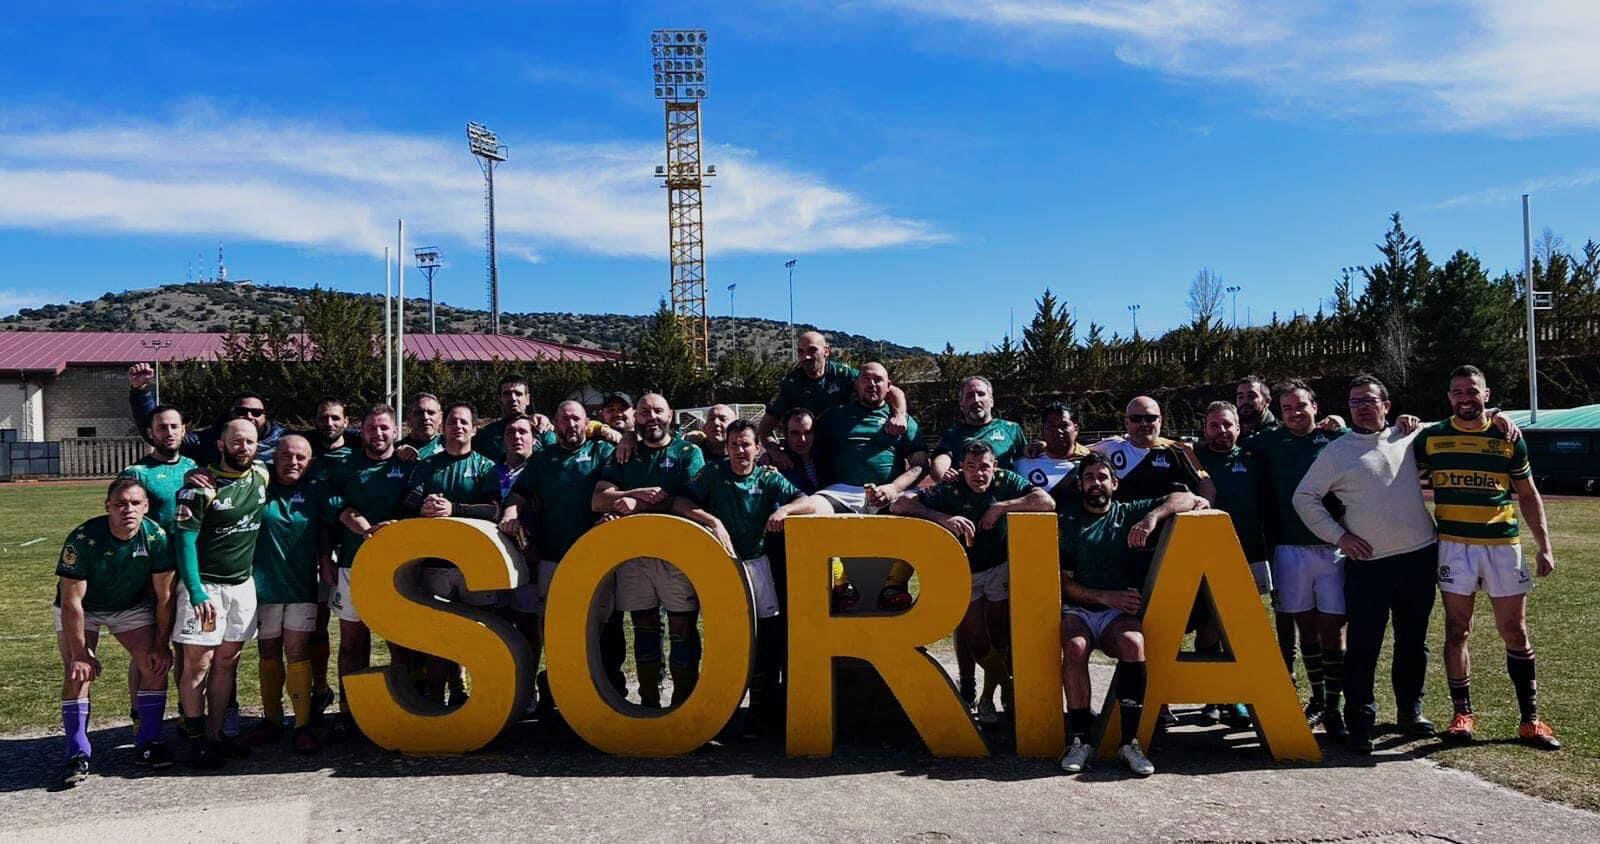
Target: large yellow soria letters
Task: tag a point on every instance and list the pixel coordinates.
(1202, 546)
(1036, 632)
(385, 590)
(571, 646)
(889, 643)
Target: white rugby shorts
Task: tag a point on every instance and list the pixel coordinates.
(1496, 569)
(236, 615)
(1309, 577)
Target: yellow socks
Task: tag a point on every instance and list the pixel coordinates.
(300, 691)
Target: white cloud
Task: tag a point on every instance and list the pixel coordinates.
(310, 185)
(1506, 193)
(1501, 65)
(12, 301)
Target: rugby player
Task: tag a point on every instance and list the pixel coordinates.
(973, 508)
(660, 468)
(330, 436)
(1307, 573)
(161, 473)
(424, 419)
(867, 465)
(285, 573)
(1241, 485)
(1386, 541)
(519, 444)
(1053, 458)
(455, 481)
(1253, 403)
(548, 509)
(616, 413)
(1149, 465)
(818, 385)
(332, 442)
(200, 444)
(798, 441)
(108, 568)
(616, 416)
(1102, 600)
(712, 438)
(216, 599)
(368, 489)
(1474, 472)
(490, 439)
(740, 503)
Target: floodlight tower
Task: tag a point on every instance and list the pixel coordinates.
(428, 262)
(678, 62)
(486, 147)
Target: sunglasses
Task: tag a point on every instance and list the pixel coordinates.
(1144, 417)
(248, 411)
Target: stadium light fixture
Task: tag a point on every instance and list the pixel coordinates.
(484, 143)
(678, 64)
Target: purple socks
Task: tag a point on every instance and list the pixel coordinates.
(152, 709)
(75, 718)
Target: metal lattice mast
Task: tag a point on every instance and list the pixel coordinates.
(486, 147)
(679, 65)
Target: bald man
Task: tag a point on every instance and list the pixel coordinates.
(713, 435)
(818, 384)
(1149, 465)
(866, 464)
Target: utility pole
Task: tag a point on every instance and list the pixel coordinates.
(1528, 296)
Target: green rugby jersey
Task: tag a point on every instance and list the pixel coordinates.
(227, 519)
(855, 448)
(670, 467)
(424, 447)
(161, 481)
(1005, 437)
(117, 572)
(1094, 548)
(559, 484)
(1287, 456)
(797, 389)
(1241, 488)
(955, 498)
(1472, 469)
(742, 503)
(286, 550)
(461, 478)
(490, 441)
(374, 488)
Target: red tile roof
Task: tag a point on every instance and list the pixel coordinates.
(54, 351)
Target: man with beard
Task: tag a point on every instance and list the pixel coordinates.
(460, 482)
(424, 420)
(200, 444)
(973, 507)
(548, 509)
(216, 599)
(1253, 403)
(660, 468)
(741, 503)
(1386, 541)
(330, 439)
(1149, 465)
(514, 397)
(616, 413)
(1241, 486)
(819, 385)
(161, 473)
(368, 489)
(1474, 471)
(107, 570)
(1055, 458)
(285, 574)
(712, 438)
(1102, 601)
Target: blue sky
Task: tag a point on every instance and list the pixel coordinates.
(931, 164)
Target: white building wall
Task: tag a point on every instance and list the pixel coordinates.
(22, 408)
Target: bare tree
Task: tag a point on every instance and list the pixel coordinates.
(1205, 299)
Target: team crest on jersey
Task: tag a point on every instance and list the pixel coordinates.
(997, 436)
(1119, 460)
(297, 498)
(69, 556)
(1240, 467)
(1444, 575)
(396, 472)
(1037, 477)
(1319, 439)
(668, 462)
(1160, 462)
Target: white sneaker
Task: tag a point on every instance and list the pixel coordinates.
(1077, 757)
(987, 715)
(1135, 759)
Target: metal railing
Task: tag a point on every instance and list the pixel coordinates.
(99, 457)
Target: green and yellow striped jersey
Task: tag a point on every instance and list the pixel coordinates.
(1472, 469)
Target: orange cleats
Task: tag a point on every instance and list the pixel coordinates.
(1461, 727)
(1538, 734)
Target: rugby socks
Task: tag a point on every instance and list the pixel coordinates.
(836, 576)
(1332, 677)
(1461, 695)
(75, 718)
(1311, 655)
(300, 677)
(1286, 634)
(1519, 664)
(272, 691)
(647, 660)
(152, 707)
(899, 574)
(1081, 721)
(319, 661)
(1130, 679)
(684, 662)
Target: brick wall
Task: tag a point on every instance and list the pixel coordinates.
(88, 396)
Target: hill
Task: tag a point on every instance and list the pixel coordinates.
(231, 306)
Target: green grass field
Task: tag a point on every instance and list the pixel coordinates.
(1563, 611)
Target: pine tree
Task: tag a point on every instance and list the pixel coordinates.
(1047, 343)
(1469, 319)
(662, 361)
(1003, 362)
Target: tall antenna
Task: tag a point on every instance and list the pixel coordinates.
(222, 268)
(486, 147)
(678, 60)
